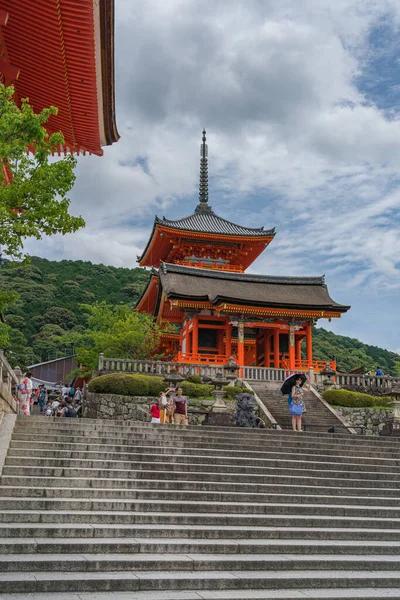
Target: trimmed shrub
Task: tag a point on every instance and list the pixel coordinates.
(127, 385)
(194, 379)
(231, 391)
(156, 385)
(353, 399)
(195, 390)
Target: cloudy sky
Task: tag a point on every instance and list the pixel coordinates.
(300, 99)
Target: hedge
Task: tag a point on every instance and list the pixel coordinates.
(195, 390)
(127, 385)
(354, 399)
(194, 379)
(231, 391)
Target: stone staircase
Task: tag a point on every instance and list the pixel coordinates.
(106, 510)
(317, 416)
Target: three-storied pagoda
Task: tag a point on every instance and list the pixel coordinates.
(198, 284)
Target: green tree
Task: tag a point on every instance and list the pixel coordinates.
(117, 331)
(33, 190)
(60, 316)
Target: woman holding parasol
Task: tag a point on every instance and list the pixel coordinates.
(293, 386)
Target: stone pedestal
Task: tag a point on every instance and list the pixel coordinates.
(219, 419)
(391, 427)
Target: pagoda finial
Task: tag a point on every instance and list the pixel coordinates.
(203, 206)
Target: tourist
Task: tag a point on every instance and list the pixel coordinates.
(55, 404)
(163, 406)
(25, 394)
(65, 390)
(180, 406)
(155, 412)
(48, 411)
(69, 409)
(78, 395)
(296, 405)
(42, 397)
(71, 392)
(379, 372)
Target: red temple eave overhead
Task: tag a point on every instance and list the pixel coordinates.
(61, 53)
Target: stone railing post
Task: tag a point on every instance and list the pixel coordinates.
(101, 361)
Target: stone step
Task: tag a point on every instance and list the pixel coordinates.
(224, 463)
(98, 546)
(279, 449)
(200, 505)
(158, 431)
(191, 580)
(302, 440)
(62, 563)
(156, 493)
(203, 531)
(292, 476)
(239, 594)
(125, 485)
(210, 519)
(218, 457)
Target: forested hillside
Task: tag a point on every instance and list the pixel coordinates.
(50, 295)
(351, 353)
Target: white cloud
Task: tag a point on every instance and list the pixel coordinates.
(292, 140)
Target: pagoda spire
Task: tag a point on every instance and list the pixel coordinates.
(203, 206)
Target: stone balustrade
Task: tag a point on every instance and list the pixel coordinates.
(155, 367)
(366, 381)
(8, 382)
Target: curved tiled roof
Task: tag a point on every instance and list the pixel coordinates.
(247, 277)
(206, 221)
(217, 287)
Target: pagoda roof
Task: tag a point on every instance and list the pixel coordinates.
(219, 287)
(204, 220)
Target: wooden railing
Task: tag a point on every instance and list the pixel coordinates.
(366, 381)
(8, 382)
(304, 365)
(216, 359)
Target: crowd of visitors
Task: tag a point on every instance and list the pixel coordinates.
(171, 406)
(66, 402)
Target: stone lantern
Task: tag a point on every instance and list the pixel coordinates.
(174, 378)
(328, 376)
(219, 414)
(392, 425)
(219, 382)
(230, 369)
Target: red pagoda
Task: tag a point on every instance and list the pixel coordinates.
(198, 284)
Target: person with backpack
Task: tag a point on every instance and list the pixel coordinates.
(24, 389)
(71, 392)
(69, 410)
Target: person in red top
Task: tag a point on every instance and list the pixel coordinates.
(155, 412)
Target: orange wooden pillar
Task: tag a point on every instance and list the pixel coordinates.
(241, 346)
(276, 349)
(228, 338)
(267, 348)
(309, 345)
(298, 350)
(291, 349)
(195, 335)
